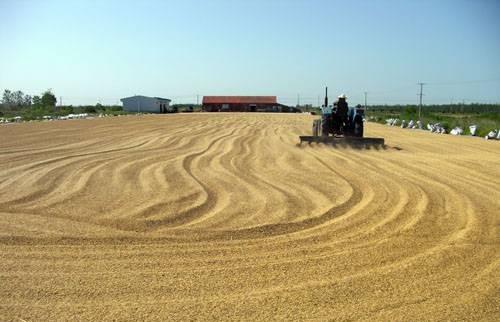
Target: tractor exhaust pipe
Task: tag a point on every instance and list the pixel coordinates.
(326, 96)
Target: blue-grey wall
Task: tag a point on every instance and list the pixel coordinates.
(143, 104)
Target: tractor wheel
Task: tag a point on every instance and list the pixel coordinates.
(325, 127)
(316, 129)
(358, 128)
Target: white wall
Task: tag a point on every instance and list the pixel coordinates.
(143, 104)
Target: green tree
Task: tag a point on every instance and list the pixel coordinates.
(7, 98)
(27, 100)
(411, 110)
(37, 101)
(14, 100)
(49, 99)
(18, 98)
(90, 109)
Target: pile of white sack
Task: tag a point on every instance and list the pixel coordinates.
(414, 125)
(436, 128)
(457, 131)
(392, 122)
(473, 130)
(493, 135)
(411, 125)
(77, 116)
(73, 116)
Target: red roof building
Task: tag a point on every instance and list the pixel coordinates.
(242, 104)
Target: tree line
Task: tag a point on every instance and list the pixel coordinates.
(16, 100)
(17, 103)
(473, 108)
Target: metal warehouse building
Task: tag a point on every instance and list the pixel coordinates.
(243, 104)
(139, 103)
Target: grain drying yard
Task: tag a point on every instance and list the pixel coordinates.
(223, 216)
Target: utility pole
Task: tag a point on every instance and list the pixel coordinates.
(197, 99)
(365, 100)
(298, 100)
(421, 94)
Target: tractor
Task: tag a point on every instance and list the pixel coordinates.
(340, 124)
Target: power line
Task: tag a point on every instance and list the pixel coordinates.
(399, 89)
(421, 94)
(466, 82)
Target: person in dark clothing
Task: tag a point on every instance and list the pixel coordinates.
(342, 110)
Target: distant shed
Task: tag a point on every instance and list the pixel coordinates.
(140, 103)
(243, 104)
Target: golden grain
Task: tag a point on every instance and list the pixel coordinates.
(223, 216)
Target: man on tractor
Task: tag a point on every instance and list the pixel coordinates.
(342, 110)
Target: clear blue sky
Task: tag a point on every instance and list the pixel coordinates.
(104, 50)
